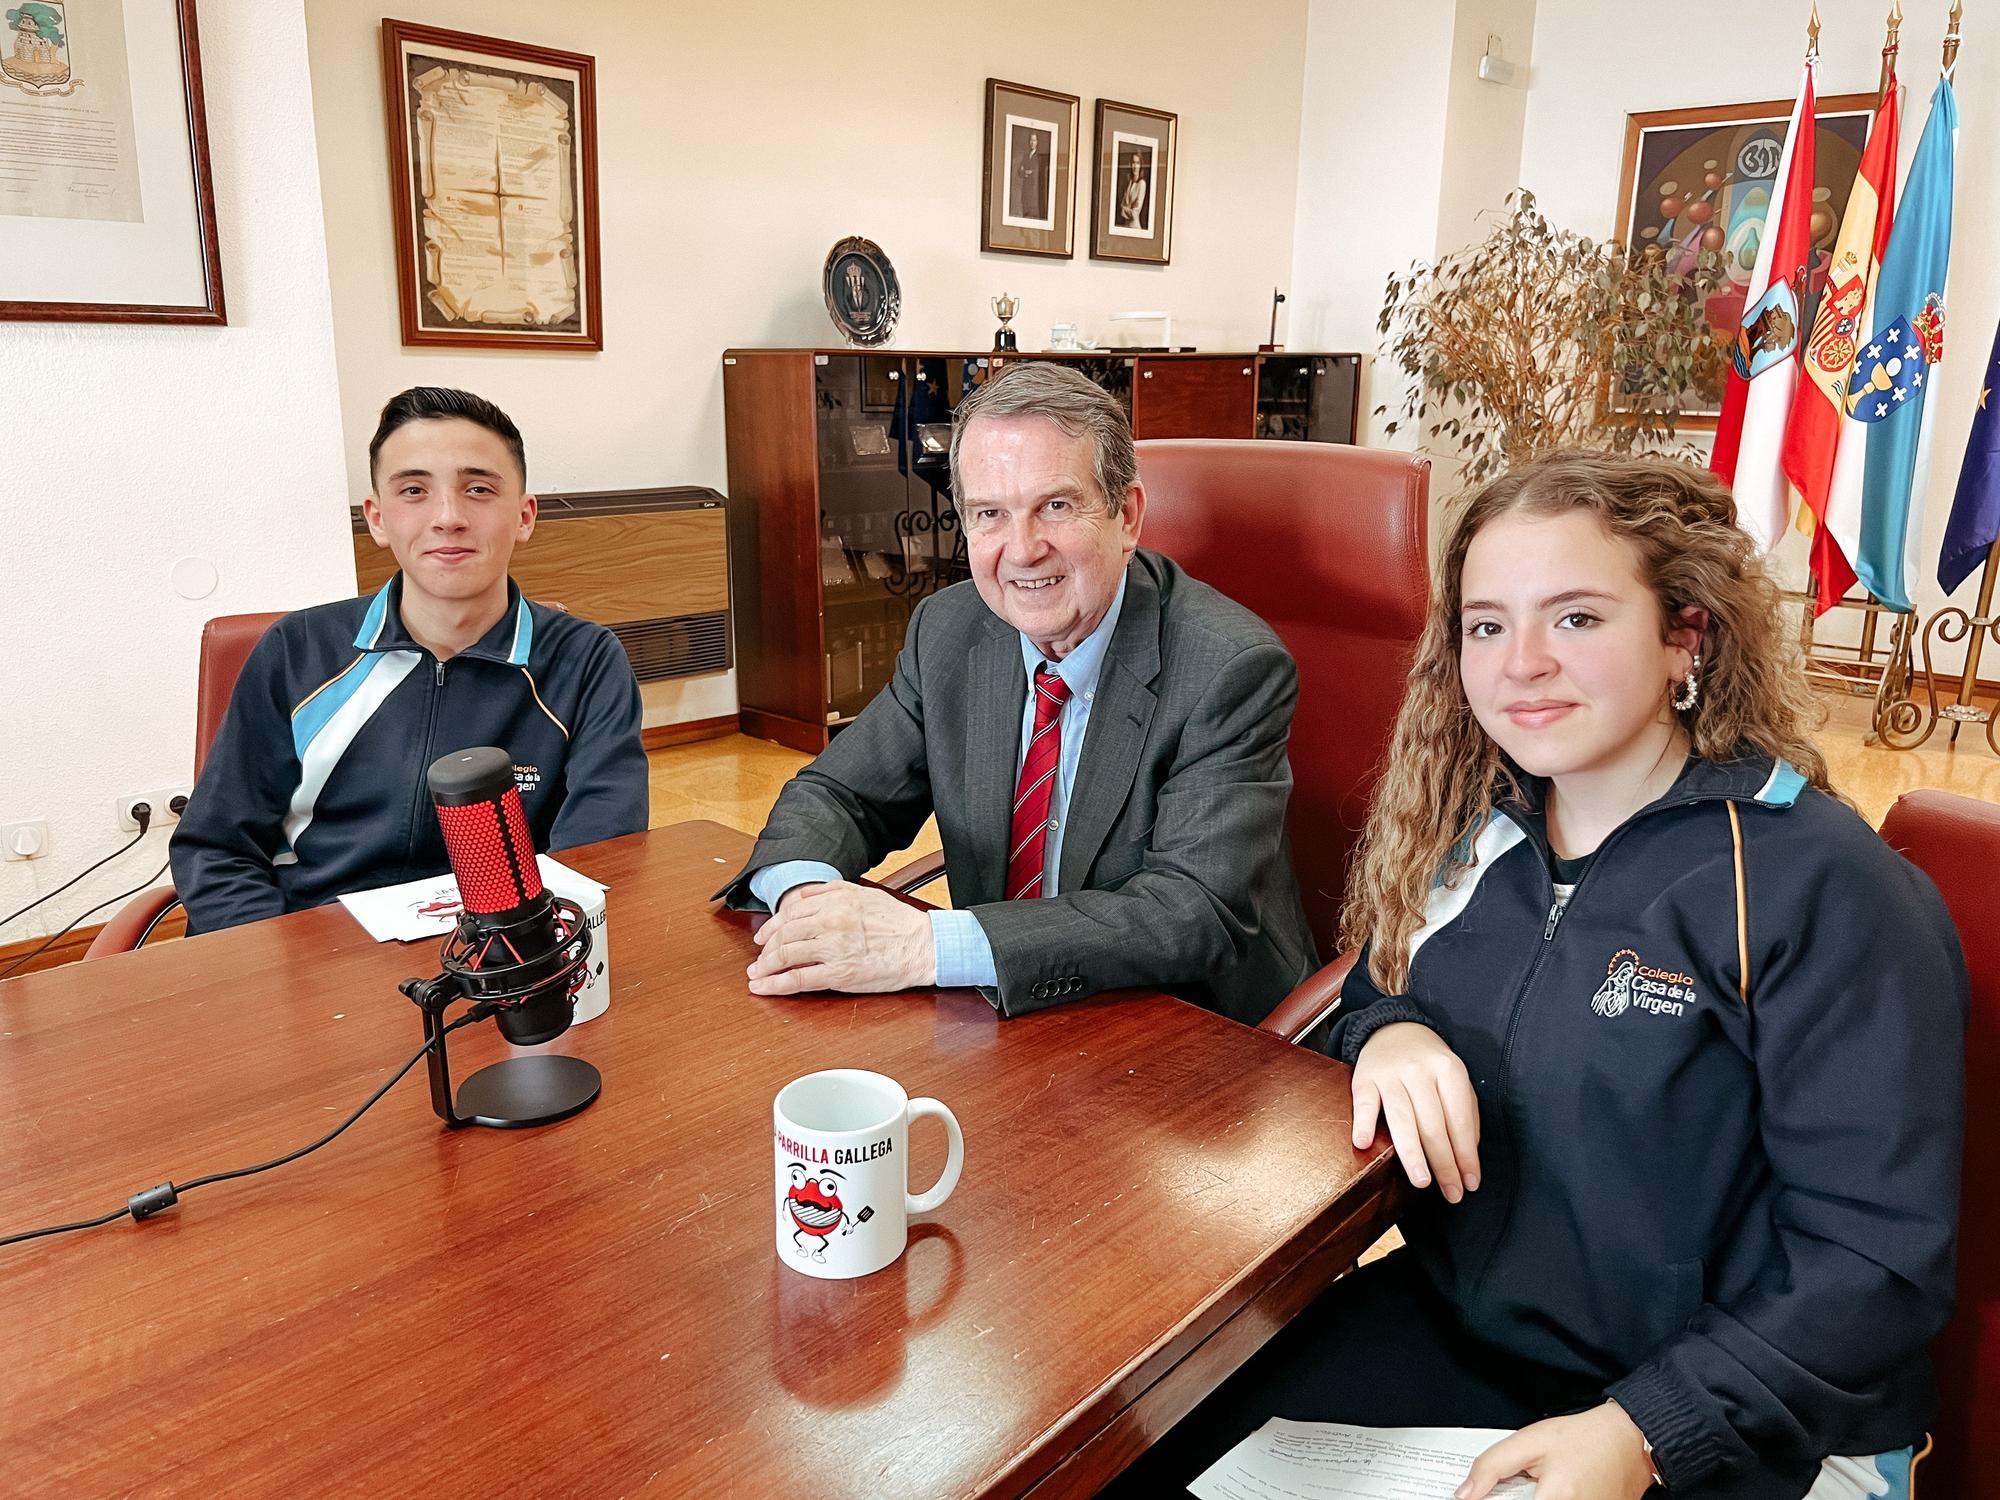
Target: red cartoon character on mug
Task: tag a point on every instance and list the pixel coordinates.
(813, 1200)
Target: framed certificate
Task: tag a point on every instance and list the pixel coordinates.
(493, 172)
(107, 206)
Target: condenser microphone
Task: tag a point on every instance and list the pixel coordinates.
(518, 953)
(511, 941)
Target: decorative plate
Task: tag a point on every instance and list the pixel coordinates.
(862, 294)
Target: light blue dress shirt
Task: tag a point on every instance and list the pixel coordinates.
(964, 957)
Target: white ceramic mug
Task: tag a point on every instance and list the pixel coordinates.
(841, 1144)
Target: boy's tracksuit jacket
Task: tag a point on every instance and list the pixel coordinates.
(1721, 1118)
(315, 784)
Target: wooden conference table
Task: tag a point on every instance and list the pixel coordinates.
(595, 1307)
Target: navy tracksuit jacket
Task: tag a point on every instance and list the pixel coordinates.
(315, 786)
(1724, 1195)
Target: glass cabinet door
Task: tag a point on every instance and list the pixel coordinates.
(864, 464)
(1307, 398)
(889, 536)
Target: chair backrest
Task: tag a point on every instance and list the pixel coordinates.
(1956, 841)
(226, 644)
(1328, 544)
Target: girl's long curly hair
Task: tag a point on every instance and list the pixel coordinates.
(1443, 771)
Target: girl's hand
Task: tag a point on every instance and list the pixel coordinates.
(1408, 1077)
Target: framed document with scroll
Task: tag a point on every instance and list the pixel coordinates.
(107, 208)
(493, 172)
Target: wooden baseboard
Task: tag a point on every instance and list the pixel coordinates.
(793, 734)
(72, 945)
(662, 735)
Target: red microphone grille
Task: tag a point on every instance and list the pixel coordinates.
(491, 852)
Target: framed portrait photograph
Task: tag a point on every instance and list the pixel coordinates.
(1132, 198)
(107, 205)
(1027, 206)
(1703, 179)
(493, 177)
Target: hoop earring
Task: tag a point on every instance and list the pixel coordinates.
(1688, 689)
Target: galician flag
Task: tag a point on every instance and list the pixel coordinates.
(1823, 452)
(1764, 369)
(1896, 368)
(1975, 511)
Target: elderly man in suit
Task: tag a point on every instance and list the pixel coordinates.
(1101, 737)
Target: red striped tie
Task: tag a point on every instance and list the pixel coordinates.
(1037, 788)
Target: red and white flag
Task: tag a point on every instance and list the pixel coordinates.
(1764, 367)
(1823, 451)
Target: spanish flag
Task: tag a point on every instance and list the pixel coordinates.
(1823, 452)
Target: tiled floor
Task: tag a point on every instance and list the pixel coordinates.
(735, 780)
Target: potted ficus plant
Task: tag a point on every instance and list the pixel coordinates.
(1538, 338)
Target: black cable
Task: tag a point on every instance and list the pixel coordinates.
(35, 1234)
(144, 822)
(109, 900)
(143, 1205)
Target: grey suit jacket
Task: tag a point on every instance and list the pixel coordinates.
(1176, 870)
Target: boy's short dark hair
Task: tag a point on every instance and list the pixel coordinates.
(421, 403)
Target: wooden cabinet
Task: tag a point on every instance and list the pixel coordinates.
(1195, 398)
(840, 513)
(841, 523)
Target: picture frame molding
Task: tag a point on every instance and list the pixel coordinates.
(1074, 103)
(394, 33)
(212, 310)
(1100, 169)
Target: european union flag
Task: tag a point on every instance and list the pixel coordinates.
(1975, 510)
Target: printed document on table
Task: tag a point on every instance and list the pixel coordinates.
(429, 908)
(1331, 1461)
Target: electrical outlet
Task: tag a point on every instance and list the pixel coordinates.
(161, 803)
(24, 840)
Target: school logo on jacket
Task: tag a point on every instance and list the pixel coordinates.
(527, 778)
(1630, 984)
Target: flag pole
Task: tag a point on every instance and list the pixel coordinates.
(1962, 711)
(1982, 619)
(1870, 606)
(1812, 580)
(1889, 49)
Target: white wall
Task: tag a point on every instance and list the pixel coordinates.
(1484, 120)
(738, 139)
(1371, 158)
(1595, 60)
(130, 447)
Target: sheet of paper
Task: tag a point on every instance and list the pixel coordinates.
(1331, 1461)
(429, 908)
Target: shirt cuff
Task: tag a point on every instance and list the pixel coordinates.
(769, 884)
(964, 957)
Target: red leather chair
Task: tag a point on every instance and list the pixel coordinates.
(226, 644)
(1328, 544)
(1956, 841)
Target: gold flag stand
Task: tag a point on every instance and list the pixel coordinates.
(1901, 721)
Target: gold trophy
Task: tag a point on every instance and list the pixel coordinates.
(1004, 307)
